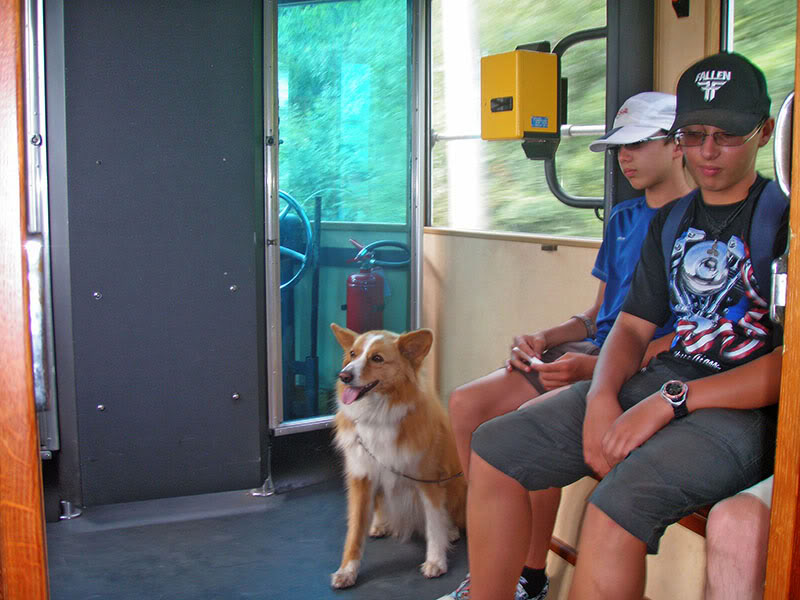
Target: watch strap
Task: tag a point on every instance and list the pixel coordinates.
(680, 410)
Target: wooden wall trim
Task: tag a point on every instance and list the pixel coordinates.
(679, 42)
(23, 562)
(508, 236)
(783, 562)
(713, 22)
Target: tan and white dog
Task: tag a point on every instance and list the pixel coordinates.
(400, 457)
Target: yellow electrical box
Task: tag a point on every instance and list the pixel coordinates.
(519, 97)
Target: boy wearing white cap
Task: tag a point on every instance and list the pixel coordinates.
(567, 353)
(698, 423)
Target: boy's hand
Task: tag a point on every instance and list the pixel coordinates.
(601, 413)
(634, 427)
(567, 369)
(526, 347)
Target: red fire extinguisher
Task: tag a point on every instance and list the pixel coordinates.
(365, 293)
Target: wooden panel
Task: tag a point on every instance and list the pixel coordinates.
(484, 290)
(783, 563)
(23, 568)
(681, 42)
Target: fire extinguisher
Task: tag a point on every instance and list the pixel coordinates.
(366, 289)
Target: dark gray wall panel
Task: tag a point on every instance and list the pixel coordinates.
(164, 171)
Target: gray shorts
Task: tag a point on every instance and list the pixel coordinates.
(556, 352)
(692, 462)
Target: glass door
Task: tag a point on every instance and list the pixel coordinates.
(343, 75)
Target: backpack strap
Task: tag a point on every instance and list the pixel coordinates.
(670, 230)
(767, 215)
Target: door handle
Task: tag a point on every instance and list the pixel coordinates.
(777, 304)
(782, 149)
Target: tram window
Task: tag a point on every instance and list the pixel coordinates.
(343, 106)
(764, 31)
(492, 185)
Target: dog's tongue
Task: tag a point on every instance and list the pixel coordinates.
(349, 394)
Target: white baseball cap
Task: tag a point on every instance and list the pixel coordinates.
(641, 116)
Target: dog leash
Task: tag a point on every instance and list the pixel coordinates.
(400, 473)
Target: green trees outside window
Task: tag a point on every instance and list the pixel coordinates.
(343, 79)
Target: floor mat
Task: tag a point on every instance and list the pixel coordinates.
(232, 546)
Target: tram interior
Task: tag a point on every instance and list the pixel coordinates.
(177, 461)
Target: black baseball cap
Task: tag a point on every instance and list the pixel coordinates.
(724, 90)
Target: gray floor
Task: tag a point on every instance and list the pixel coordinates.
(231, 545)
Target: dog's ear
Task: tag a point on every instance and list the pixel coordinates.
(415, 345)
(344, 336)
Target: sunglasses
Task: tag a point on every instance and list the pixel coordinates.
(721, 138)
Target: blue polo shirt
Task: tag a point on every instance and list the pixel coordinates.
(617, 259)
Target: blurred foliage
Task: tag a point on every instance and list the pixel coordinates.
(344, 108)
(517, 196)
(764, 32)
(515, 189)
(344, 81)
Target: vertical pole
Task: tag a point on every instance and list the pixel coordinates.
(629, 70)
(420, 123)
(272, 234)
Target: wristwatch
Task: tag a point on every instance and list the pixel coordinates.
(675, 391)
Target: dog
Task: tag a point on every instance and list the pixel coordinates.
(400, 461)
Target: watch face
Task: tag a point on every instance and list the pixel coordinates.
(673, 388)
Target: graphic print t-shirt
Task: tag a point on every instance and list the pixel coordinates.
(721, 312)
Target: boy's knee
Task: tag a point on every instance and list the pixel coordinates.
(736, 518)
(469, 405)
(459, 406)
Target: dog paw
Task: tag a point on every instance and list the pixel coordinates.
(343, 578)
(431, 568)
(379, 530)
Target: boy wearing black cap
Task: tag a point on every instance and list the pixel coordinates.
(697, 424)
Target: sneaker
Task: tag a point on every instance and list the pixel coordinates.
(462, 591)
(521, 594)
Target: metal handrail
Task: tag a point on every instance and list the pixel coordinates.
(782, 149)
(550, 163)
(567, 130)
